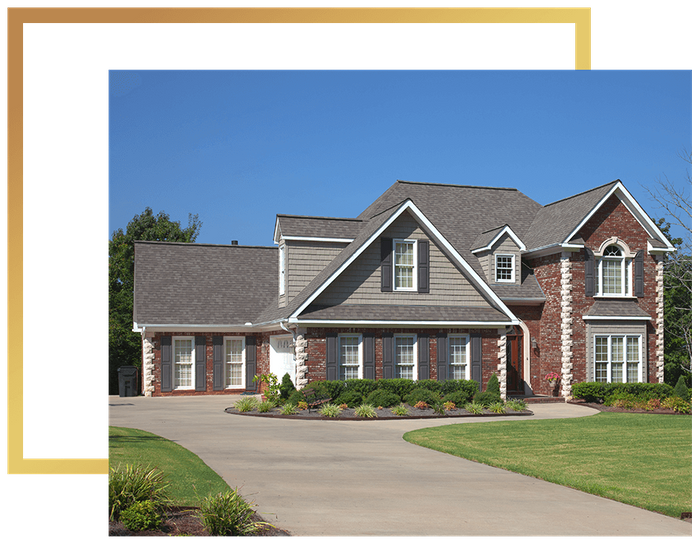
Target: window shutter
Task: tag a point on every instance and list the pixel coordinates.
(639, 274)
(368, 356)
(166, 364)
(423, 266)
(218, 363)
(200, 363)
(388, 355)
(443, 372)
(251, 360)
(387, 265)
(475, 343)
(589, 260)
(332, 356)
(423, 357)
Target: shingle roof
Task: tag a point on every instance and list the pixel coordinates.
(616, 308)
(202, 284)
(311, 227)
(386, 312)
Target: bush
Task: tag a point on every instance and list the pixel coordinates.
(364, 387)
(265, 406)
(497, 408)
(677, 404)
(384, 398)
(475, 408)
(141, 516)
(287, 387)
(609, 392)
(486, 398)
(330, 410)
(288, 409)
(449, 406)
(588, 391)
(295, 398)
(246, 404)
(365, 410)
(320, 390)
(135, 483)
(493, 386)
(399, 386)
(400, 410)
(429, 397)
(334, 388)
(228, 514)
(681, 390)
(351, 398)
(517, 405)
(460, 398)
(430, 385)
(468, 387)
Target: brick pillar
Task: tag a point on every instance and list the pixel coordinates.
(566, 330)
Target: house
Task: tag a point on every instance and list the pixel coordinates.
(431, 281)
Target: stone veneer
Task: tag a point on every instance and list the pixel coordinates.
(300, 359)
(148, 367)
(502, 366)
(566, 330)
(660, 320)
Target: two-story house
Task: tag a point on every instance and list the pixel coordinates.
(431, 281)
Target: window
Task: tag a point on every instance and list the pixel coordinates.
(234, 350)
(406, 357)
(505, 268)
(458, 353)
(350, 367)
(617, 359)
(614, 273)
(183, 362)
(404, 265)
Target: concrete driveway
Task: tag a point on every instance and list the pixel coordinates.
(358, 478)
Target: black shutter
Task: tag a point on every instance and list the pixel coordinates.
(388, 355)
(251, 360)
(166, 364)
(589, 259)
(423, 357)
(639, 274)
(368, 356)
(386, 265)
(423, 266)
(218, 363)
(442, 367)
(200, 363)
(475, 345)
(332, 356)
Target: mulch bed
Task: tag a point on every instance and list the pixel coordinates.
(383, 413)
(603, 408)
(183, 521)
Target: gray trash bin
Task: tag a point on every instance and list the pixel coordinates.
(128, 381)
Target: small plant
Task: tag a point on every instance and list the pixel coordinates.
(421, 405)
(288, 409)
(303, 405)
(365, 410)
(474, 408)
(273, 387)
(653, 404)
(141, 516)
(438, 408)
(400, 410)
(517, 405)
(228, 514)
(449, 406)
(497, 408)
(676, 404)
(246, 404)
(286, 387)
(135, 483)
(343, 406)
(265, 406)
(552, 377)
(493, 386)
(330, 410)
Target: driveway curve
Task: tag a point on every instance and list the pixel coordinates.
(360, 478)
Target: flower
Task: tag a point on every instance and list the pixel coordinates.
(552, 377)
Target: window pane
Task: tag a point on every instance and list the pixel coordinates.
(601, 359)
(404, 357)
(233, 354)
(403, 265)
(504, 265)
(632, 359)
(612, 277)
(458, 357)
(182, 357)
(350, 356)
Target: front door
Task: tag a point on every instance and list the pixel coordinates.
(282, 358)
(514, 362)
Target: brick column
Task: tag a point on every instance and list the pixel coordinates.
(300, 358)
(660, 320)
(148, 367)
(566, 331)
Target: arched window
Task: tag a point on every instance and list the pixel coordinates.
(614, 272)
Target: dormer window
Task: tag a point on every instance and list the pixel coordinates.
(505, 268)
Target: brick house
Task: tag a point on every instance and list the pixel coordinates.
(431, 281)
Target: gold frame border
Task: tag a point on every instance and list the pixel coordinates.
(16, 17)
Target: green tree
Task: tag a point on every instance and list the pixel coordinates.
(124, 344)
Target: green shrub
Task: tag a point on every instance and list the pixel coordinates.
(469, 387)
(399, 386)
(334, 388)
(330, 410)
(677, 404)
(430, 397)
(141, 516)
(320, 390)
(365, 410)
(430, 385)
(351, 398)
(497, 408)
(228, 514)
(400, 410)
(289, 409)
(265, 406)
(475, 408)
(493, 386)
(287, 387)
(486, 398)
(588, 391)
(364, 387)
(135, 483)
(517, 405)
(295, 398)
(609, 392)
(383, 398)
(246, 404)
(681, 390)
(460, 398)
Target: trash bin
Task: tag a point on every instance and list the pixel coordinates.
(128, 381)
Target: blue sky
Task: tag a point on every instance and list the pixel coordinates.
(238, 147)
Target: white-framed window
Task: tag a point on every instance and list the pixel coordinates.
(614, 273)
(618, 358)
(350, 347)
(406, 354)
(505, 268)
(183, 362)
(283, 269)
(458, 354)
(234, 362)
(405, 256)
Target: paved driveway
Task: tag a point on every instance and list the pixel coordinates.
(361, 478)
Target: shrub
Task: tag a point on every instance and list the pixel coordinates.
(141, 516)
(676, 404)
(430, 385)
(399, 386)
(382, 397)
(449, 405)
(287, 387)
(493, 386)
(468, 387)
(135, 483)
(486, 398)
(517, 405)
(653, 404)
(273, 386)
(365, 410)
(459, 398)
(334, 388)
(430, 397)
(438, 408)
(228, 514)
(303, 405)
(320, 390)
(609, 392)
(295, 398)
(265, 406)
(475, 408)
(400, 410)
(351, 398)
(330, 410)
(497, 408)
(421, 405)
(288, 409)
(364, 387)
(246, 404)
(681, 390)
(588, 391)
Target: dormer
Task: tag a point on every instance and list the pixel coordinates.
(499, 252)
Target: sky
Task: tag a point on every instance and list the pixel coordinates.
(238, 147)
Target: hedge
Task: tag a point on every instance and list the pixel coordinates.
(603, 392)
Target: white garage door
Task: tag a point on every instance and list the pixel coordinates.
(282, 358)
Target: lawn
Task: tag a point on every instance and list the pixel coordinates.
(639, 459)
(187, 474)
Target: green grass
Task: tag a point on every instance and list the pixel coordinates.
(639, 459)
(186, 473)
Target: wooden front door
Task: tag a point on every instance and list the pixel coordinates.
(514, 362)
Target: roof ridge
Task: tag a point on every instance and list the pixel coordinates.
(319, 217)
(457, 185)
(582, 193)
(198, 244)
(389, 208)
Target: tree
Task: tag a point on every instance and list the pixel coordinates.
(676, 201)
(124, 344)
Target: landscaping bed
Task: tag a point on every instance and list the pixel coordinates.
(604, 408)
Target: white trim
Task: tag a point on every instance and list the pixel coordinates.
(414, 266)
(505, 230)
(616, 318)
(427, 225)
(360, 361)
(512, 267)
(415, 355)
(316, 239)
(468, 365)
(226, 363)
(608, 373)
(174, 364)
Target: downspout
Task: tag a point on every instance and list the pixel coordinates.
(294, 350)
